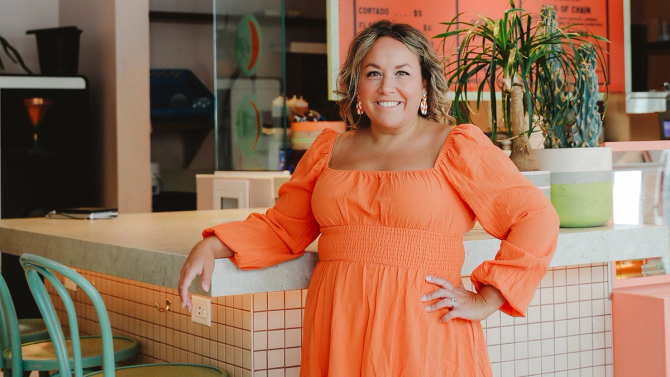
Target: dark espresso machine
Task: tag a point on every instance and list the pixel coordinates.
(47, 158)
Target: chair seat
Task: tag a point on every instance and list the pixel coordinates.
(41, 355)
(165, 370)
(32, 330)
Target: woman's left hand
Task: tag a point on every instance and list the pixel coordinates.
(474, 306)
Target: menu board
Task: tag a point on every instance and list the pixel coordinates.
(600, 17)
(422, 14)
(592, 16)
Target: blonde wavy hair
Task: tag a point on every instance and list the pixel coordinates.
(431, 71)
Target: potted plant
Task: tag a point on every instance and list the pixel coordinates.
(581, 170)
(517, 59)
(500, 57)
(13, 56)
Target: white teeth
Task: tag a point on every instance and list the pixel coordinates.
(388, 104)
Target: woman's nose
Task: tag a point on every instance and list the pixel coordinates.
(387, 85)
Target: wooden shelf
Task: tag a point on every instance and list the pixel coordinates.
(638, 281)
(181, 17)
(628, 146)
(208, 18)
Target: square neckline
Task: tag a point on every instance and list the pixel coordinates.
(433, 168)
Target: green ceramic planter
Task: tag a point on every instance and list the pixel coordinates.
(581, 184)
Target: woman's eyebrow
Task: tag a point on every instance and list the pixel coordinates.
(373, 65)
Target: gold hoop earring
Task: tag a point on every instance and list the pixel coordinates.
(424, 104)
(359, 105)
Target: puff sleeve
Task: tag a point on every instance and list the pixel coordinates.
(509, 208)
(286, 229)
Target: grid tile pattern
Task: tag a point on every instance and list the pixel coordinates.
(567, 331)
(167, 336)
(277, 332)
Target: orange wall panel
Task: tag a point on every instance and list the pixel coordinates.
(601, 17)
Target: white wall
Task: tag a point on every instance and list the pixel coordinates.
(133, 107)
(18, 16)
(115, 57)
(96, 61)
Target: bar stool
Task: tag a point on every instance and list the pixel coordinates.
(29, 330)
(69, 356)
(40, 355)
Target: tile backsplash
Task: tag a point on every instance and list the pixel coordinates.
(168, 336)
(567, 330)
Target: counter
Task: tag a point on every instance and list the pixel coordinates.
(152, 247)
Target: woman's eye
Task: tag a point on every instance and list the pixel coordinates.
(373, 73)
(402, 73)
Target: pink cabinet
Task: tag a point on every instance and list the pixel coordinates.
(641, 330)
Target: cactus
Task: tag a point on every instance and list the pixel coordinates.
(588, 124)
(555, 95)
(568, 105)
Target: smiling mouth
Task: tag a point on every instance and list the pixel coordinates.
(388, 103)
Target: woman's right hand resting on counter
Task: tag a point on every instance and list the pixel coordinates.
(200, 262)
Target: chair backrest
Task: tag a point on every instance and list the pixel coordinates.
(9, 326)
(35, 266)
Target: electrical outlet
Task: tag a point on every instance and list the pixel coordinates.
(69, 284)
(202, 310)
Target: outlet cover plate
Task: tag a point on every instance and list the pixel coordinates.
(202, 310)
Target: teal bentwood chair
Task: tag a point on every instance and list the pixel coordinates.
(35, 266)
(26, 330)
(86, 351)
(30, 329)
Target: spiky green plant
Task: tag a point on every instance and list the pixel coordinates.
(567, 104)
(554, 98)
(509, 58)
(588, 123)
(13, 55)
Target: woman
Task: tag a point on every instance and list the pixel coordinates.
(391, 200)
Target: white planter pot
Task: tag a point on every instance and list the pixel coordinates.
(581, 184)
(541, 179)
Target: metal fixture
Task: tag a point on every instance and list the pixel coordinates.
(648, 102)
(168, 304)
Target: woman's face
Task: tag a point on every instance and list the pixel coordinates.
(391, 85)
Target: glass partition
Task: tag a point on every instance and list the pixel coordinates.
(641, 185)
(250, 73)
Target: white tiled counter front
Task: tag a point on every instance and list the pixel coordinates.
(256, 331)
(567, 331)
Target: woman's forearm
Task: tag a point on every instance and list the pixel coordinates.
(219, 248)
(493, 297)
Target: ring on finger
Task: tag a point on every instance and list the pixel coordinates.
(453, 302)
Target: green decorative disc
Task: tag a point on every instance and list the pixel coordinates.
(248, 125)
(248, 45)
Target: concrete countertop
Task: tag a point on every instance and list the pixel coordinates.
(152, 247)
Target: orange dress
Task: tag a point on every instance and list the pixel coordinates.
(382, 232)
